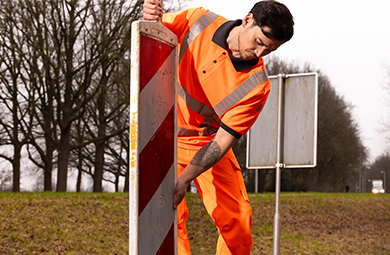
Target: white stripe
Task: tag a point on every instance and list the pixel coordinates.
(156, 100)
(158, 216)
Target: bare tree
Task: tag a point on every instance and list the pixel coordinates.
(64, 75)
(111, 35)
(16, 96)
(43, 74)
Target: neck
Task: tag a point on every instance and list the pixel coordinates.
(232, 43)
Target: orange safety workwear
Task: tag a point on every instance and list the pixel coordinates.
(215, 90)
(223, 192)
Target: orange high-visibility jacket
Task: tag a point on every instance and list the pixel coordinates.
(215, 89)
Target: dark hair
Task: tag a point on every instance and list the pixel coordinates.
(275, 16)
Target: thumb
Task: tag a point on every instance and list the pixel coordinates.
(176, 201)
(178, 197)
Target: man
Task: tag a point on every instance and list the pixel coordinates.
(222, 87)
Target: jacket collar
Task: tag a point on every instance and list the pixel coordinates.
(220, 37)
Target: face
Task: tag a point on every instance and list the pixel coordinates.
(252, 42)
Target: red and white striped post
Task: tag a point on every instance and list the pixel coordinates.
(153, 228)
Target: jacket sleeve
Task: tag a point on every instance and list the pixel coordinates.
(179, 22)
(240, 118)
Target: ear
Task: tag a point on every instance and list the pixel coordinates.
(247, 20)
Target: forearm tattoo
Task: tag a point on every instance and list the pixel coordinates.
(207, 156)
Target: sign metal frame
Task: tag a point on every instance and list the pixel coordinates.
(147, 112)
(299, 127)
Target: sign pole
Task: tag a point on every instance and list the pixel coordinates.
(291, 107)
(279, 164)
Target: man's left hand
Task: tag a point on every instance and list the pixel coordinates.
(180, 191)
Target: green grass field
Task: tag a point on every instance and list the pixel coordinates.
(64, 223)
(311, 223)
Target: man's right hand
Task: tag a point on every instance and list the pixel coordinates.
(152, 10)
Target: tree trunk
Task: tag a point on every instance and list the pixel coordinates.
(99, 155)
(16, 169)
(126, 188)
(63, 159)
(48, 166)
(99, 162)
(80, 170)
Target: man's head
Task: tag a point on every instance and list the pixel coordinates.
(276, 17)
(268, 25)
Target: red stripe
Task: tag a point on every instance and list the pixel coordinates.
(155, 160)
(153, 54)
(168, 245)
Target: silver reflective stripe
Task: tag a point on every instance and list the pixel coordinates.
(187, 132)
(195, 30)
(240, 92)
(197, 106)
(209, 130)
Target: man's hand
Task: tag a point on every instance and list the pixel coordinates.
(180, 191)
(205, 158)
(152, 10)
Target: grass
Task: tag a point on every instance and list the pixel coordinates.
(311, 223)
(64, 223)
(87, 223)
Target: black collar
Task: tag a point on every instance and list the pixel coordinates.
(220, 37)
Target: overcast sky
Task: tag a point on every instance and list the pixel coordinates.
(347, 40)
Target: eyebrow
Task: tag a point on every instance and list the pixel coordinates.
(263, 42)
(266, 45)
(262, 30)
(264, 33)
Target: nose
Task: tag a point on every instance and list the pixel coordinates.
(261, 51)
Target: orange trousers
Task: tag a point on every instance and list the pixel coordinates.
(224, 196)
